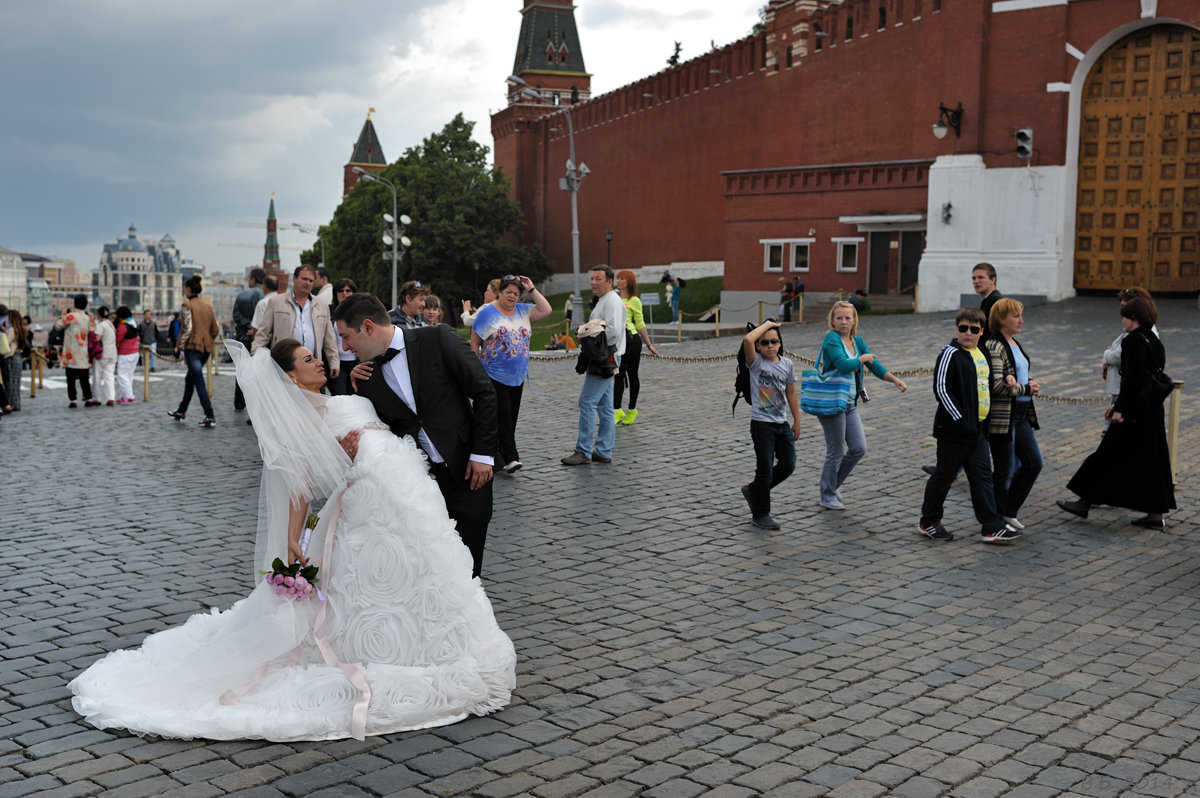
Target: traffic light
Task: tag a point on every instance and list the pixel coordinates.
(1025, 143)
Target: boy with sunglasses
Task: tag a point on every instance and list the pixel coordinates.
(772, 393)
(961, 380)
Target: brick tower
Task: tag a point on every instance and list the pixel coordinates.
(549, 56)
(367, 155)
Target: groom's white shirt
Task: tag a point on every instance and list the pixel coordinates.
(395, 374)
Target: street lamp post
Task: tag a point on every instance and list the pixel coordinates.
(575, 175)
(608, 236)
(394, 235)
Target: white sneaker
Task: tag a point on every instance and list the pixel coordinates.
(1014, 522)
(512, 467)
(832, 504)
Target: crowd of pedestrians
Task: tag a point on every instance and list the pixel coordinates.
(984, 422)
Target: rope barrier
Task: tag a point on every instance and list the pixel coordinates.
(917, 372)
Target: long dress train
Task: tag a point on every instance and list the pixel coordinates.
(403, 639)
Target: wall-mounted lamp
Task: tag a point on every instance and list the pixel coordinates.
(948, 118)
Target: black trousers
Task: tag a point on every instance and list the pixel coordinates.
(629, 372)
(470, 509)
(508, 407)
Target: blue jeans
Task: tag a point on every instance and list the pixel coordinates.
(845, 445)
(1016, 461)
(596, 399)
(774, 461)
(975, 458)
(194, 380)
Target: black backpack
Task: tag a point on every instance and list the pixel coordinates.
(741, 382)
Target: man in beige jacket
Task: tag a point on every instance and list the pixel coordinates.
(298, 314)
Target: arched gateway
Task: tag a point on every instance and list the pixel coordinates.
(1138, 198)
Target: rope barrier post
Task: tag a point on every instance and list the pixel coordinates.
(916, 297)
(145, 374)
(41, 375)
(717, 317)
(679, 330)
(1173, 426)
(209, 377)
(760, 313)
(800, 310)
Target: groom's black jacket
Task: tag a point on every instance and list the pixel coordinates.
(456, 401)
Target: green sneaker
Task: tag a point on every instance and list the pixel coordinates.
(630, 417)
(618, 415)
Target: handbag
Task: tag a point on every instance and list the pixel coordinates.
(1156, 389)
(825, 394)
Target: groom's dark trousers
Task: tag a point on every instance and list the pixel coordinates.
(456, 407)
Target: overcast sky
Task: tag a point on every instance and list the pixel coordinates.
(183, 117)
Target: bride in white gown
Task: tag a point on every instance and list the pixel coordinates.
(401, 636)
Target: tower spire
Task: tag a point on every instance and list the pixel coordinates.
(367, 155)
(549, 55)
(271, 247)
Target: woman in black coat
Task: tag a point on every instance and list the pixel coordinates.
(1132, 467)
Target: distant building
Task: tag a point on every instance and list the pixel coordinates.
(12, 280)
(143, 275)
(51, 285)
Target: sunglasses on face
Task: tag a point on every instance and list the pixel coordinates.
(769, 341)
(974, 329)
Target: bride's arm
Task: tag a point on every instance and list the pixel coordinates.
(296, 515)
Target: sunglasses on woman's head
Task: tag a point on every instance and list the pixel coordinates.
(973, 328)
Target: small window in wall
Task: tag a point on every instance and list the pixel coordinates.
(800, 251)
(772, 256)
(937, 6)
(882, 16)
(847, 249)
(849, 27)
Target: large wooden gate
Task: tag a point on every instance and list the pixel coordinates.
(1139, 165)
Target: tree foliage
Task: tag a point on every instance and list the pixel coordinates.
(674, 59)
(463, 222)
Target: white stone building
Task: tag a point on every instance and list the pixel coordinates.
(143, 275)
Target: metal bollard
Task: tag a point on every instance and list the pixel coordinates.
(760, 313)
(717, 316)
(209, 376)
(800, 311)
(1173, 426)
(679, 329)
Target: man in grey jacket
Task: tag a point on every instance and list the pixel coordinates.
(243, 316)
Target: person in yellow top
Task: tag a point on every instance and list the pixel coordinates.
(635, 333)
(962, 385)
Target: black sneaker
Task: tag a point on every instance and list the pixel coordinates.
(746, 496)
(208, 422)
(175, 414)
(1005, 534)
(766, 522)
(935, 531)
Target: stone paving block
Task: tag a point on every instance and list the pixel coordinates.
(142, 788)
(468, 781)
(389, 779)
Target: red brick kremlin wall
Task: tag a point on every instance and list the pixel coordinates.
(656, 163)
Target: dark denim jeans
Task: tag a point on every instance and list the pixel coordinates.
(1017, 461)
(774, 461)
(974, 457)
(195, 381)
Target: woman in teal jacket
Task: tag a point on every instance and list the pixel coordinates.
(845, 352)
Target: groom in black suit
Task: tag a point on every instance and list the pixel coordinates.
(427, 383)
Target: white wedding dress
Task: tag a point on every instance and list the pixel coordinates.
(404, 638)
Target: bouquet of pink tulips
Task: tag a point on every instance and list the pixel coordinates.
(295, 581)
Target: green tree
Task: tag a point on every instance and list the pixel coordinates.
(674, 59)
(463, 222)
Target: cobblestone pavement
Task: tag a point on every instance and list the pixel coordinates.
(667, 648)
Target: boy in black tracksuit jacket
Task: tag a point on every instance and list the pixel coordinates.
(961, 384)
